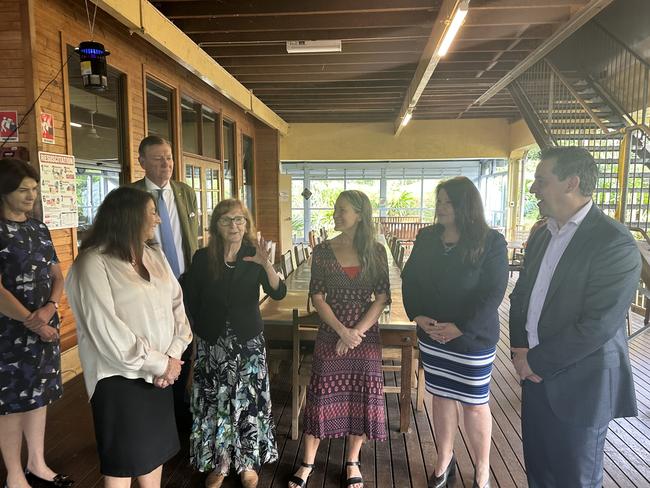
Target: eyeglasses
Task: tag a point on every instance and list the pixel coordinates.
(227, 221)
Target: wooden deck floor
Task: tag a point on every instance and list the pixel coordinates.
(405, 460)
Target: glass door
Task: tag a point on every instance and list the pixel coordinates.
(204, 177)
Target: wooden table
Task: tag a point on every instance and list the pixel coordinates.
(395, 327)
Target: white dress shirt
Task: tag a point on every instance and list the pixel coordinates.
(560, 239)
(126, 326)
(170, 203)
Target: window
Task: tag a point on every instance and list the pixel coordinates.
(403, 198)
(298, 210)
(228, 160)
(395, 188)
(97, 128)
(209, 133)
(160, 110)
(190, 125)
(248, 176)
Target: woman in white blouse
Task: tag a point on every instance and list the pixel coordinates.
(131, 330)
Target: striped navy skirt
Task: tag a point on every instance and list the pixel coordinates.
(462, 377)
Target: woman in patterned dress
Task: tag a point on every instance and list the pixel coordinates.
(31, 284)
(345, 394)
(231, 400)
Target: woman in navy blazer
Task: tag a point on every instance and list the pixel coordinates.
(452, 286)
(231, 401)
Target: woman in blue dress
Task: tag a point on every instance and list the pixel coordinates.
(31, 285)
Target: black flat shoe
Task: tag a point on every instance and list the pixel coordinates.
(299, 482)
(442, 480)
(59, 481)
(355, 479)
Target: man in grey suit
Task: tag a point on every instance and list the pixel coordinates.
(177, 232)
(567, 325)
(180, 209)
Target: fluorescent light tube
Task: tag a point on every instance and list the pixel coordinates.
(454, 27)
(406, 118)
(75, 124)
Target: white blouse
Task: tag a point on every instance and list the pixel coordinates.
(126, 326)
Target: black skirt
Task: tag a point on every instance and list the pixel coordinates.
(134, 426)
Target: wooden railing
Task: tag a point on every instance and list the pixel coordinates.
(402, 230)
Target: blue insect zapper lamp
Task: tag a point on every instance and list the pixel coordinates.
(92, 57)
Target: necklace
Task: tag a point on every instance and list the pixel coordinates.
(447, 247)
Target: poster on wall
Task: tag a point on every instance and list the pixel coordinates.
(58, 190)
(8, 126)
(47, 128)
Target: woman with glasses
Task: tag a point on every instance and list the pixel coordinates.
(231, 402)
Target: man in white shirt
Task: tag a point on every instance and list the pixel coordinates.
(180, 209)
(177, 232)
(567, 325)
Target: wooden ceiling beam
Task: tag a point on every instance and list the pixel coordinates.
(525, 4)
(238, 8)
(256, 37)
(279, 48)
(428, 61)
(342, 59)
(264, 78)
(517, 16)
(305, 23)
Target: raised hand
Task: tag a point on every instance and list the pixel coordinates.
(261, 254)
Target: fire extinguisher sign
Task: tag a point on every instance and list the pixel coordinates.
(8, 126)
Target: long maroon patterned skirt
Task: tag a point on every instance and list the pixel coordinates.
(345, 394)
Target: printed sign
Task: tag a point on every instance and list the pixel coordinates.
(8, 126)
(58, 190)
(47, 128)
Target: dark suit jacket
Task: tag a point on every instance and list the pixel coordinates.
(188, 215)
(441, 286)
(211, 302)
(582, 353)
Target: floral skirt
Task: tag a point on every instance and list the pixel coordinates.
(231, 406)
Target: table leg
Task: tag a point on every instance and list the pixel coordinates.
(405, 389)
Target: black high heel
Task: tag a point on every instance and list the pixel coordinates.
(475, 484)
(442, 480)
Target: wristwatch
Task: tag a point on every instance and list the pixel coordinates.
(56, 304)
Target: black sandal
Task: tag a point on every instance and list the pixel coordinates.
(299, 482)
(355, 479)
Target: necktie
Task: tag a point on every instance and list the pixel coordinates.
(167, 236)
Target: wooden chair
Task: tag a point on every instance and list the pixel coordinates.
(279, 269)
(300, 253)
(287, 263)
(307, 250)
(312, 239)
(305, 329)
(395, 354)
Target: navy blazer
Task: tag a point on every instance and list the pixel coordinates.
(582, 354)
(211, 302)
(441, 286)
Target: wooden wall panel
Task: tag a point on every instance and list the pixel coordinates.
(57, 23)
(267, 169)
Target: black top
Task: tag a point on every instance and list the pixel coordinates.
(437, 284)
(234, 297)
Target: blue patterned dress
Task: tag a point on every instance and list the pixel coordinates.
(30, 369)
